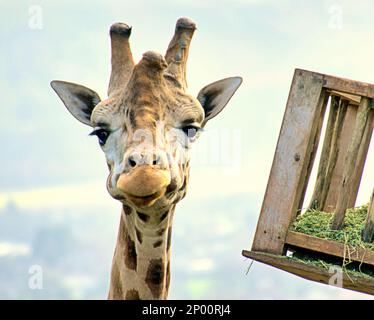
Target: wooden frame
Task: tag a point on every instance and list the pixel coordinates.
(345, 149)
(312, 273)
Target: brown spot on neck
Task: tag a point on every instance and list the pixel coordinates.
(132, 294)
(142, 216)
(157, 244)
(130, 253)
(164, 215)
(127, 210)
(161, 232)
(155, 277)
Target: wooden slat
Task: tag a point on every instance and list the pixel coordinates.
(353, 100)
(324, 101)
(313, 273)
(344, 85)
(368, 232)
(350, 163)
(291, 161)
(316, 202)
(329, 247)
(345, 140)
(361, 158)
(334, 151)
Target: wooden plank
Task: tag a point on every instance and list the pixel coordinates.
(291, 161)
(344, 85)
(313, 273)
(330, 247)
(361, 158)
(334, 151)
(324, 99)
(368, 232)
(345, 139)
(350, 163)
(337, 175)
(353, 100)
(347, 86)
(316, 202)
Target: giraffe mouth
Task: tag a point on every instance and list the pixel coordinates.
(144, 185)
(145, 201)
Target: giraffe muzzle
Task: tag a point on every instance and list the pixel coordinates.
(144, 185)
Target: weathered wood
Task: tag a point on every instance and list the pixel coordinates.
(353, 99)
(334, 151)
(291, 161)
(361, 158)
(330, 247)
(357, 88)
(313, 273)
(346, 86)
(350, 163)
(324, 99)
(368, 232)
(345, 140)
(316, 202)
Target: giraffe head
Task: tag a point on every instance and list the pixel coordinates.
(149, 121)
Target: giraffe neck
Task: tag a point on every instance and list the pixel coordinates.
(141, 262)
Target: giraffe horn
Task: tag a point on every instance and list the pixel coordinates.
(150, 68)
(177, 52)
(122, 60)
(153, 60)
(148, 72)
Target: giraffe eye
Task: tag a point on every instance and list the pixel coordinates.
(190, 131)
(101, 134)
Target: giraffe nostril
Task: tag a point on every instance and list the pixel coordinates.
(136, 159)
(156, 161)
(132, 162)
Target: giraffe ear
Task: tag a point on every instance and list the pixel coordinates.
(79, 100)
(216, 95)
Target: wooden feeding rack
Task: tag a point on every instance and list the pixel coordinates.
(347, 137)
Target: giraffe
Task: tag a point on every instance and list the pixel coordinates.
(146, 128)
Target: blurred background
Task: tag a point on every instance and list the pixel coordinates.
(55, 214)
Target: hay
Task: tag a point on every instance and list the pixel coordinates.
(349, 268)
(317, 223)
